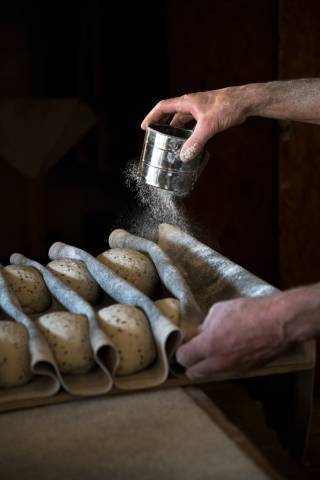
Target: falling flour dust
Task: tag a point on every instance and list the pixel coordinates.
(156, 206)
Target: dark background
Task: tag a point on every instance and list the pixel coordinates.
(259, 197)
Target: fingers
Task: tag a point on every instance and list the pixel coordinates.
(194, 356)
(193, 351)
(163, 108)
(196, 143)
(182, 105)
(181, 119)
(184, 109)
(204, 369)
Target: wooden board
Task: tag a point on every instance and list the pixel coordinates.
(303, 360)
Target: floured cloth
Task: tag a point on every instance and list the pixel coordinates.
(211, 276)
(190, 271)
(142, 436)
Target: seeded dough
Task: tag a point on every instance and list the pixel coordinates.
(128, 328)
(170, 308)
(29, 287)
(133, 266)
(68, 337)
(75, 274)
(14, 355)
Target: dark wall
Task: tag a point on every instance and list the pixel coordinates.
(214, 44)
(299, 149)
(104, 55)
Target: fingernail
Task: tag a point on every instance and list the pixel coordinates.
(189, 153)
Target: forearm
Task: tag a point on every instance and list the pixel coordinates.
(217, 110)
(299, 312)
(297, 100)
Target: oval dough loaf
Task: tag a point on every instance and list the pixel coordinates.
(128, 328)
(68, 337)
(170, 308)
(29, 287)
(14, 355)
(75, 274)
(133, 266)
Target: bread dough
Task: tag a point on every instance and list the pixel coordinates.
(75, 274)
(170, 308)
(14, 355)
(133, 266)
(68, 338)
(29, 287)
(128, 328)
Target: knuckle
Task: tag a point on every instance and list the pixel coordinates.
(189, 98)
(202, 100)
(223, 101)
(183, 100)
(161, 103)
(217, 308)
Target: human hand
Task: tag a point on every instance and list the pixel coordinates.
(236, 336)
(213, 111)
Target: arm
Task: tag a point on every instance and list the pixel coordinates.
(240, 334)
(217, 110)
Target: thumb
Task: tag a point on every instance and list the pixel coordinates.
(196, 143)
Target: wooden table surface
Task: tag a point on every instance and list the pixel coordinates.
(169, 434)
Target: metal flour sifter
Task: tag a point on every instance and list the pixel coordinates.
(160, 165)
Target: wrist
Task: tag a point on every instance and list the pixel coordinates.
(257, 98)
(299, 311)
